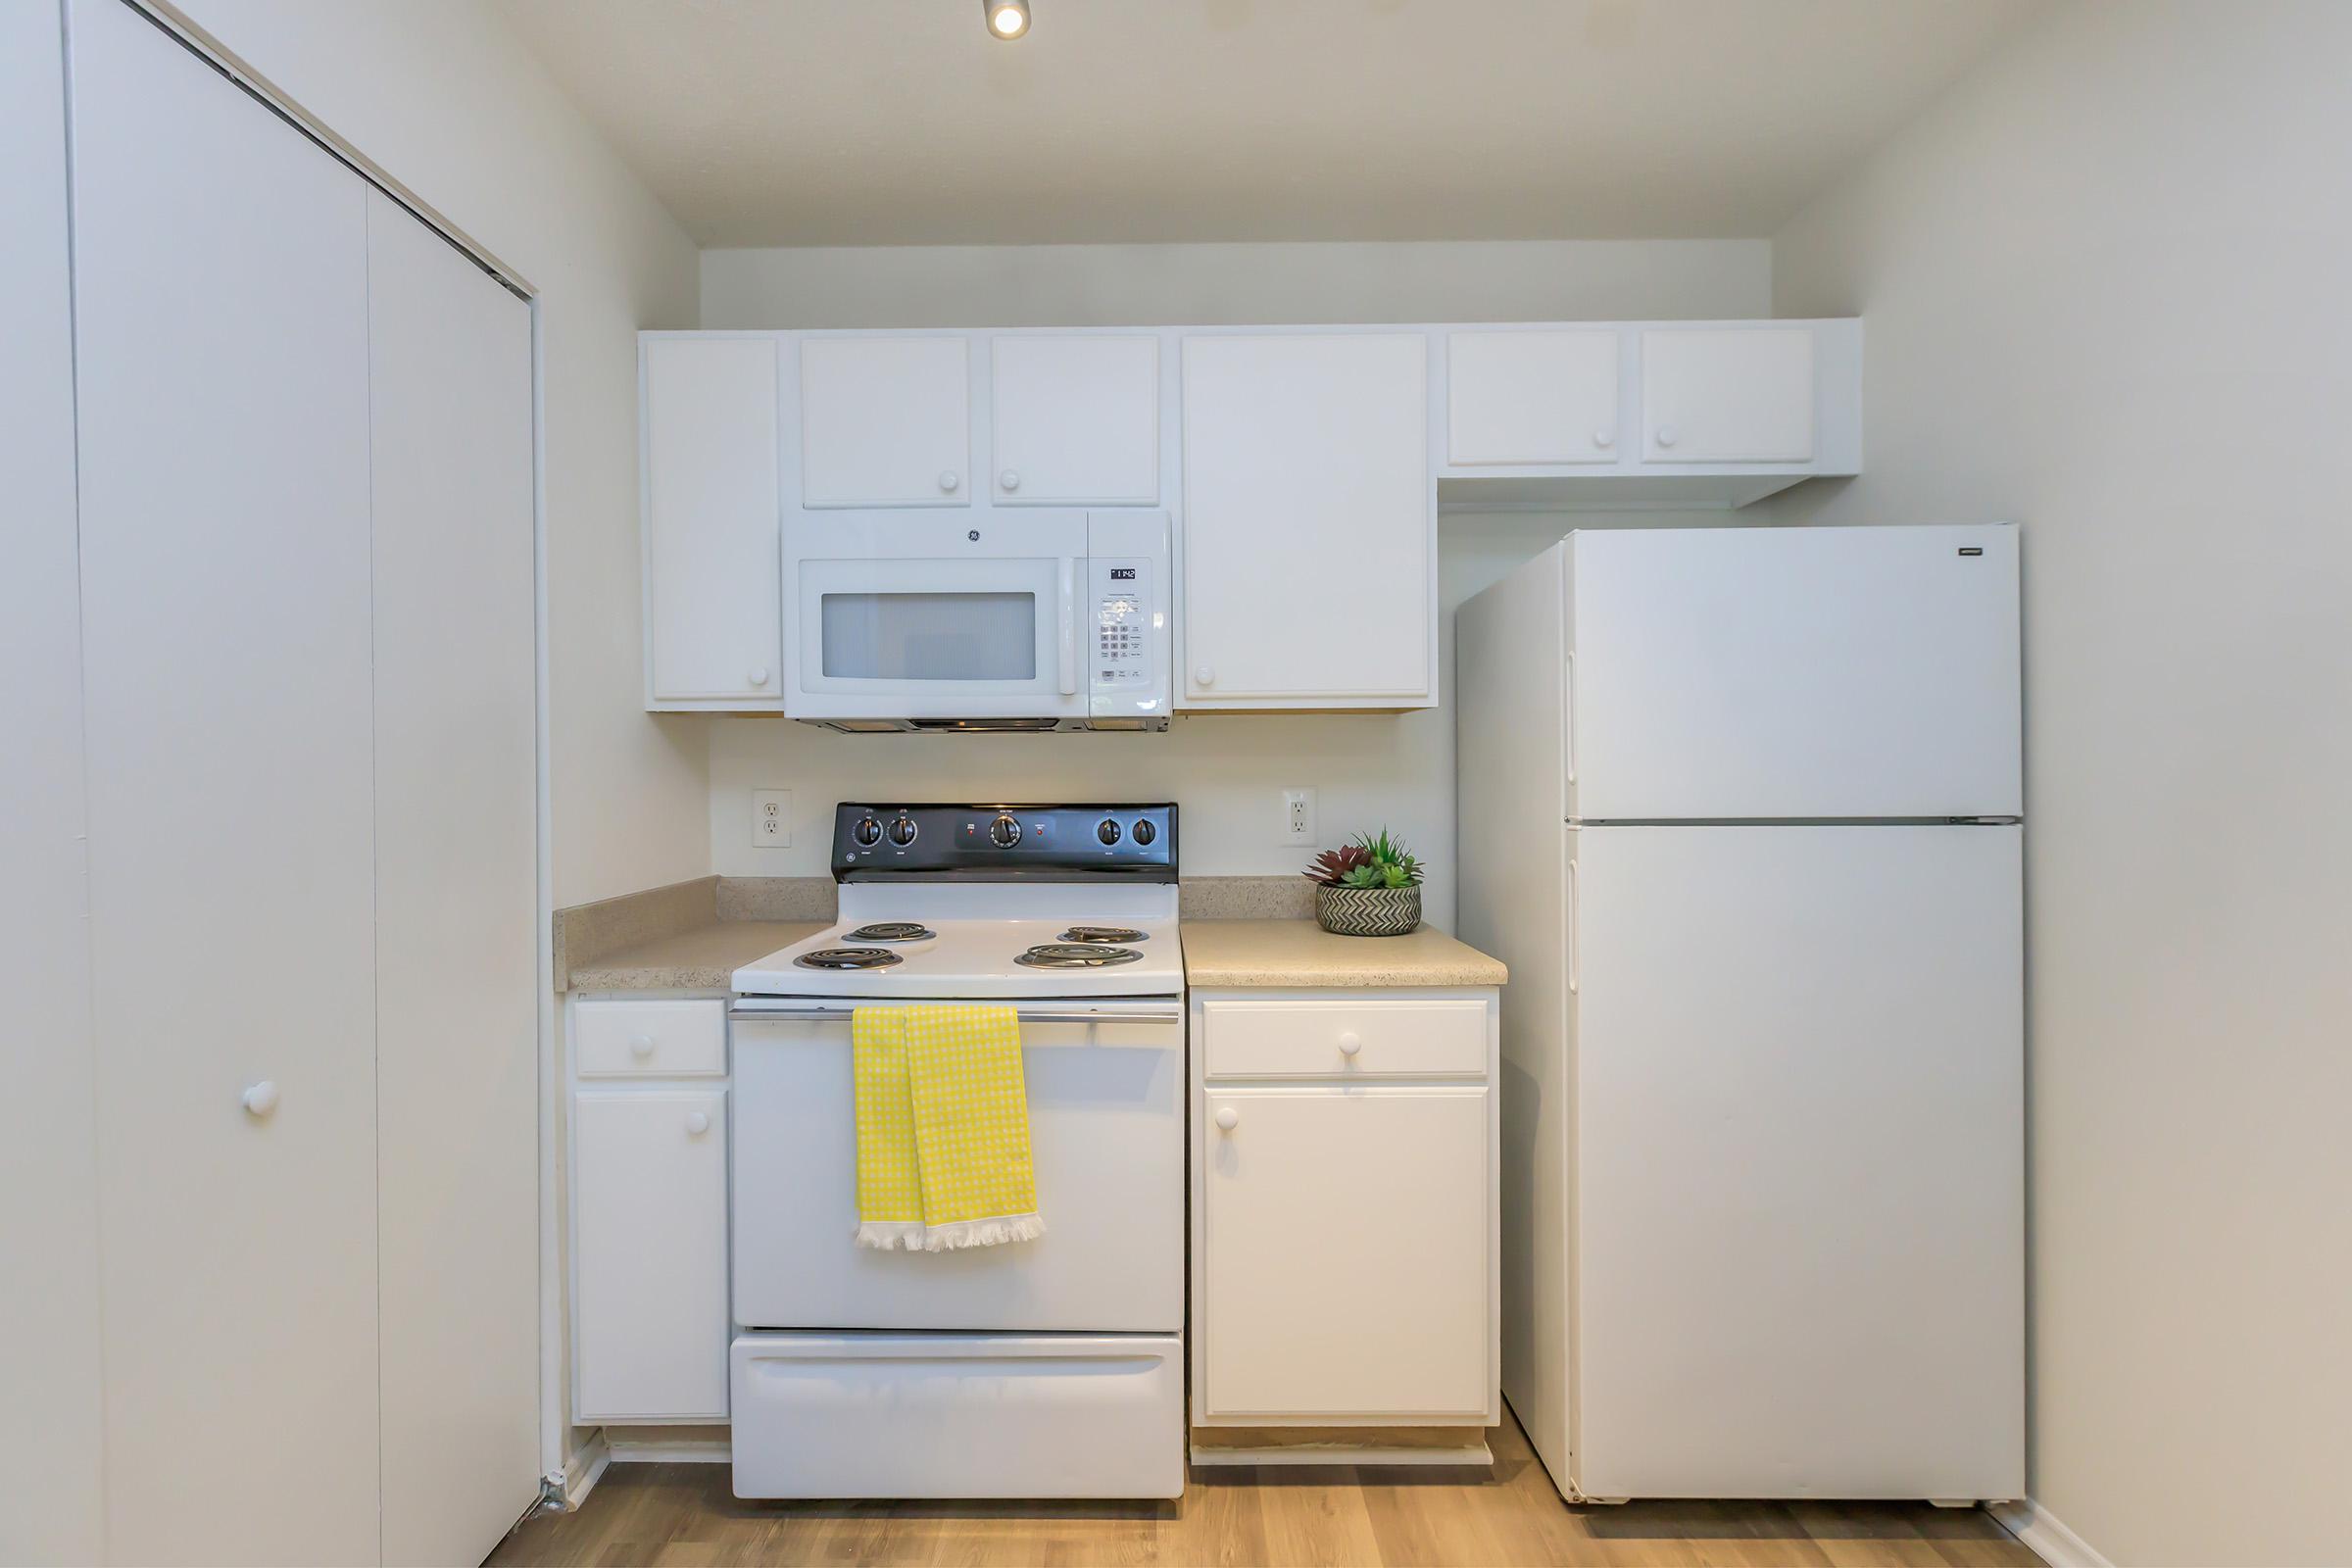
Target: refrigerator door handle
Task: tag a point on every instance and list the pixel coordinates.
(1576, 927)
(1568, 730)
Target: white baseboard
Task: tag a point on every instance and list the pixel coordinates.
(2046, 1535)
(583, 1470)
(654, 1451)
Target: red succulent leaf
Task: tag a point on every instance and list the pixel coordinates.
(1332, 865)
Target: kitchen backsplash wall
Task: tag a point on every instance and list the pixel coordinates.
(1226, 771)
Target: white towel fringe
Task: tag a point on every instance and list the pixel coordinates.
(913, 1236)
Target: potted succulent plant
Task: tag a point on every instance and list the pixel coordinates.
(1368, 887)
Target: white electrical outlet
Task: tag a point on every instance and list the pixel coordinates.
(1298, 817)
(771, 819)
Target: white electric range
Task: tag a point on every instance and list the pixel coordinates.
(1031, 1369)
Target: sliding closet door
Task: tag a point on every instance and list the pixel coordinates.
(50, 1453)
(457, 894)
(221, 320)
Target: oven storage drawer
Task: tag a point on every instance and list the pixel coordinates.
(958, 1415)
(664, 1039)
(1299, 1039)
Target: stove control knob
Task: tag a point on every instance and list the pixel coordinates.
(1004, 832)
(867, 832)
(901, 830)
(1144, 832)
(1108, 831)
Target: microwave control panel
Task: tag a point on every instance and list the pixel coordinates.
(1126, 619)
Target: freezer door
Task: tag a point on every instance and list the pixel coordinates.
(1793, 672)
(1797, 1162)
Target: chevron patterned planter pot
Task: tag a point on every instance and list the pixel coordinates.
(1367, 911)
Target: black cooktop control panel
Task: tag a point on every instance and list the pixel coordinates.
(1004, 843)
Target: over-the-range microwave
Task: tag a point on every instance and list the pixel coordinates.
(993, 620)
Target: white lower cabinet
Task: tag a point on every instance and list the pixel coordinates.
(650, 1323)
(1345, 1209)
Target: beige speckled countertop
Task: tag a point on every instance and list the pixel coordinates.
(1301, 952)
(704, 958)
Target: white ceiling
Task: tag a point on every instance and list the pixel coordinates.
(900, 121)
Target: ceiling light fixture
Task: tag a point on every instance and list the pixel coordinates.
(1006, 18)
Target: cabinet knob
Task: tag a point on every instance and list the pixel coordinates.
(641, 1045)
(1351, 1043)
(949, 481)
(1205, 674)
(1604, 438)
(1010, 479)
(1668, 436)
(260, 1099)
(696, 1123)
(758, 675)
(1228, 1118)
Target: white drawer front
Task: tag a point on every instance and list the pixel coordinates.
(964, 1415)
(1320, 1038)
(650, 1039)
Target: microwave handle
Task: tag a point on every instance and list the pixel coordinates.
(1069, 627)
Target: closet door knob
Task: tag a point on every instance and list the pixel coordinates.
(1228, 1118)
(696, 1123)
(1668, 436)
(758, 675)
(949, 481)
(260, 1099)
(1010, 479)
(1351, 1043)
(641, 1045)
(1205, 675)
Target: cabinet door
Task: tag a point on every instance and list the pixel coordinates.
(1727, 395)
(220, 316)
(713, 591)
(1310, 534)
(884, 422)
(1077, 420)
(1531, 397)
(650, 1322)
(1346, 1268)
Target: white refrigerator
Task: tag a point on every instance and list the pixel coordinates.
(1742, 810)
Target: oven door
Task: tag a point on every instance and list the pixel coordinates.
(896, 616)
(1106, 1129)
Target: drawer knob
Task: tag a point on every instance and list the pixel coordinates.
(1668, 436)
(1228, 1118)
(1351, 1043)
(641, 1045)
(758, 675)
(1205, 675)
(696, 1123)
(948, 480)
(1010, 479)
(260, 1099)
(1604, 438)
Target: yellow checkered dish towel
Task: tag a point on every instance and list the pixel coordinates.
(943, 1129)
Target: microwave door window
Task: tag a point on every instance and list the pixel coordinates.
(924, 638)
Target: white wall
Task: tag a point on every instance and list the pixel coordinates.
(440, 94)
(1225, 771)
(1226, 285)
(2106, 288)
(51, 1503)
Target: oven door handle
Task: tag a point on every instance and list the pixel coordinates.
(755, 1013)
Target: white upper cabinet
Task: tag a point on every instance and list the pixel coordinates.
(885, 422)
(1076, 421)
(1737, 393)
(713, 636)
(1310, 534)
(1531, 397)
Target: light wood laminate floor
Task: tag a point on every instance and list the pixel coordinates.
(1257, 1517)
